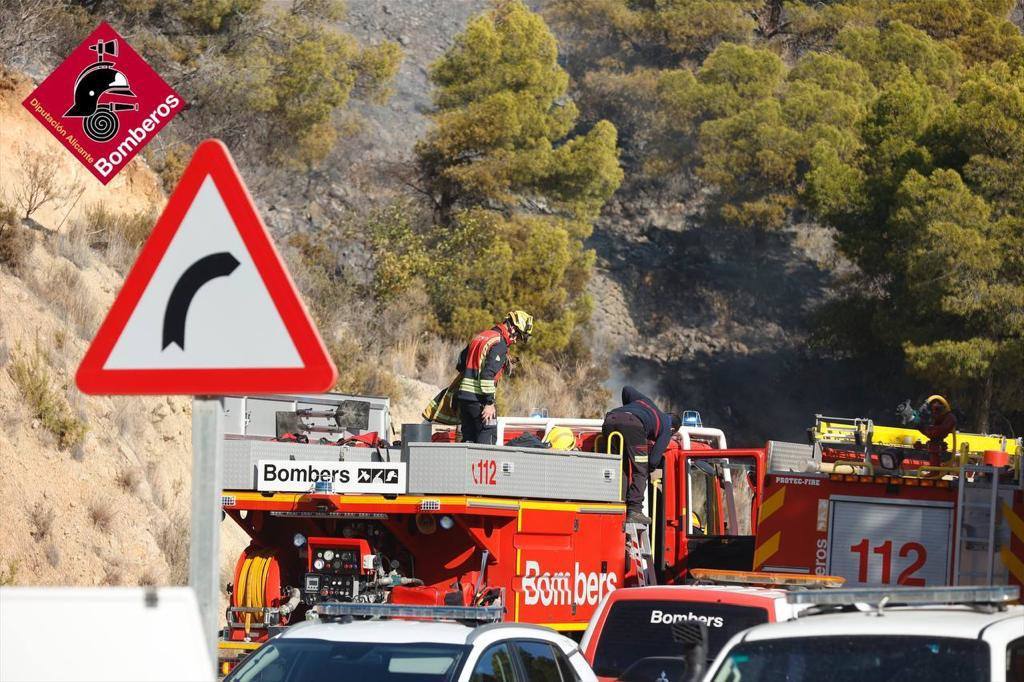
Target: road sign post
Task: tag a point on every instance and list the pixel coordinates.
(207, 475)
(208, 309)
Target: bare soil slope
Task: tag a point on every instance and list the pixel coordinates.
(113, 508)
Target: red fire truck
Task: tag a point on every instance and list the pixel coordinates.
(340, 517)
(336, 515)
(862, 502)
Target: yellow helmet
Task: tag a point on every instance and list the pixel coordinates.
(696, 524)
(939, 399)
(521, 321)
(561, 438)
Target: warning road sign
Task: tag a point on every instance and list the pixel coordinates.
(209, 307)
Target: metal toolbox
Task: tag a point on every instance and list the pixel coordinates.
(502, 471)
(450, 468)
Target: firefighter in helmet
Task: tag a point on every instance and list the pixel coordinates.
(943, 423)
(481, 365)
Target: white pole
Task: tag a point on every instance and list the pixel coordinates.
(207, 474)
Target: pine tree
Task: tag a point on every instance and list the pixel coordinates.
(515, 195)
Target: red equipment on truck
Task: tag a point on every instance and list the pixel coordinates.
(862, 502)
(537, 531)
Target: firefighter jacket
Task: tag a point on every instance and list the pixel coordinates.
(939, 429)
(442, 409)
(481, 364)
(657, 424)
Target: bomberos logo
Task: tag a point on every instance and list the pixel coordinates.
(104, 103)
(563, 588)
(659, 617)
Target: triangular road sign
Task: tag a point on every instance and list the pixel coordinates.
(208, 308)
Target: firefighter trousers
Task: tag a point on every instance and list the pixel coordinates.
(473, 428)
(636, 449)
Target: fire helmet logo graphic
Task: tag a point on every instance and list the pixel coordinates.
(95, 81)
(104, 103)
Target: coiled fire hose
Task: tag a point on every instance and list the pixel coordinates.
(252, 583)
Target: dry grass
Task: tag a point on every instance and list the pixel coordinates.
(52, 555)
(113, 574)
(404, 357)
(173, 541)
(437, 360)
(73, 244)
(575, 391)
(156, 480)
(32, 377)
(65, 290)
(149, 578)
(15, 241)
(9, 574)
(41, 517)
(118, 236)
(130, 479)
(101, 513)
(130, 417)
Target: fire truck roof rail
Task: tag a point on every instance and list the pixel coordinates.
(997, 596)
(476, 614)
(716, 437)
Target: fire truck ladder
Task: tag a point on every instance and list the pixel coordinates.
(977, 505)
(638, 546)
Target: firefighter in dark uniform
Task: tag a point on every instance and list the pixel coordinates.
(640, 422)
(481, 365)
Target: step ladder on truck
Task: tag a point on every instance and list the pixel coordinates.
(861, 501)
(337, 515)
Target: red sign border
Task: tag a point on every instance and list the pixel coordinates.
(318, 372)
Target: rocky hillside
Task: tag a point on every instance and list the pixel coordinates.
(96, 489)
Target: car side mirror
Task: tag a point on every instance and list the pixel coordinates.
(692, 636)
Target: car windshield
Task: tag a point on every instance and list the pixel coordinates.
(857, 659)
(640, 628)
(309, 660)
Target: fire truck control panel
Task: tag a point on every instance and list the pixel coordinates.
(335, 568)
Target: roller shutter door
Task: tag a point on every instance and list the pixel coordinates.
(875, 542)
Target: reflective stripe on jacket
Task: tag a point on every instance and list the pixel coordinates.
(481, 364)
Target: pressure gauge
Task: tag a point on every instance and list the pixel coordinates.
(318, 564)
(329, 554)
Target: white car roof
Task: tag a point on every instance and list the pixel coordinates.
(394, 631)
(936, 621)
(399, 631)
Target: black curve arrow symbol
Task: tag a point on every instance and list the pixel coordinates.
(199, 273)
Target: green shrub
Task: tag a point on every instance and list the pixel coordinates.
(32, 377)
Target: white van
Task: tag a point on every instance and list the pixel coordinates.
(102, 633)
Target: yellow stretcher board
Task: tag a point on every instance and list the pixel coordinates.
(845, 432)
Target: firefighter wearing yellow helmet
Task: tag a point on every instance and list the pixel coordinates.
(943, 423)
(481, 365)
